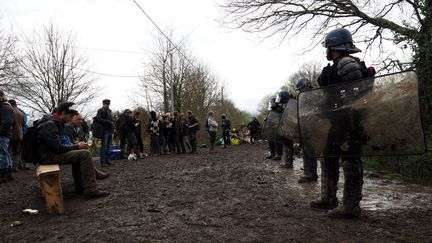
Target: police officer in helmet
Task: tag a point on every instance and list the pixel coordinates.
(281, 101)
(309, 164)
(340, 46)
(274, 147)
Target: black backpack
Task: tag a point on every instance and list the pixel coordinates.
(29, 148)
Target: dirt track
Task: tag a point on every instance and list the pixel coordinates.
(233, 196)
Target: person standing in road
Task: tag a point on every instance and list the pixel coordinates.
(6, 124)
(104, 118)
(184, 133)
(339, 44)
(138, 127)
(193, 129)
(254, 129)
(17, 137)
(212, 129)
(309, 164)
(226, 128)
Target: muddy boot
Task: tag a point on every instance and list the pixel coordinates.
(344, 212)
(270, 155)
(352, 193)
(100, 175)
(324, 203)
(94, 193)
(328, 199)
(305, 179)
(276, 157)
(286, 162)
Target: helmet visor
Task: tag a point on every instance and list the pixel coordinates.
(278, 98)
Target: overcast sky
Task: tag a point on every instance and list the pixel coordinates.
(250, 67)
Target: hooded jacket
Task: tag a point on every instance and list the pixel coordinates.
(6, 119)
(49, 137)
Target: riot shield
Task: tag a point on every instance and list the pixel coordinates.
(288, 125)
(371, 117)
(271, 124)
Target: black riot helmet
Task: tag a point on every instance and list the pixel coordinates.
(303, 83)
(282, 97)
(340, 40)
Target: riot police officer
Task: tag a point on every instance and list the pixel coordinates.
(309, 164)
(274, 147)
(345, 68)
(281, 101)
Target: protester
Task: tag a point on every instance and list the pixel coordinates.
(254, 128)
(211, 125)
(76, 133)
(153, 129)
(184, 133)
(17, 137)
(104, 118)
(6, 124)
(138, 136)
(178, 139)
(193, 129)
(226, 128)
(51, 150)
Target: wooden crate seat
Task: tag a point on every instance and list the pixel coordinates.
(49, 178)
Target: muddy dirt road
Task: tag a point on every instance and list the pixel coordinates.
(233, 196)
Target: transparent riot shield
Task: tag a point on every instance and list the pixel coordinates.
(372, 117)
(271, 124)
(288, 125)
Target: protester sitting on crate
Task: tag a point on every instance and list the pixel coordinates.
(75, 132)
(51, 149)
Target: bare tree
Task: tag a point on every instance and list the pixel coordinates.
(310, 71)
(201, 90)
(164, 76)
(405, 23)
(54, 72)
(9, 69)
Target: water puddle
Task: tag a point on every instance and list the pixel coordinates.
(378, 193)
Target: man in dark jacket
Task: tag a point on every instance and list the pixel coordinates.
(17, 137)
(138, 136)
(76, 133)
(51, 149)
(193, 129)
(6, 124)
(104, 117)
(254, 128)
(226, 128)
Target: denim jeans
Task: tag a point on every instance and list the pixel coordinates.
(5, 160)
(106, 142)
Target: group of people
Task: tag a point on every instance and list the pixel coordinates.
(57, 138)
(13, 126)
(173, 133)
(342, 144)
(61, 137)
